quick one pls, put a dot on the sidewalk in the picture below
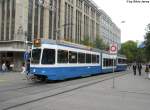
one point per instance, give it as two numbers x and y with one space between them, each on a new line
130 93
13 77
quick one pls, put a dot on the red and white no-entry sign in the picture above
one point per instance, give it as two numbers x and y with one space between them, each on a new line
113 48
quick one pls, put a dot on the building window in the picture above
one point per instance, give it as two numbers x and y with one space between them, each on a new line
86 9
8 20
50 25
41 21
65 27
2 23
86 26
13 19
78 26
79 3
36 19
30 12
68 26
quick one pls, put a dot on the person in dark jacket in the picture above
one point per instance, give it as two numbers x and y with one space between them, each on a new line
139 67
134 69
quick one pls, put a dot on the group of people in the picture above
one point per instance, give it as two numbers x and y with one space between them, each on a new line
5 66
139 68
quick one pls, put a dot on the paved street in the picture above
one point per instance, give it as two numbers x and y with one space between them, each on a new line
130 93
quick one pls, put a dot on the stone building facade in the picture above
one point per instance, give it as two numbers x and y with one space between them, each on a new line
21 21
109 32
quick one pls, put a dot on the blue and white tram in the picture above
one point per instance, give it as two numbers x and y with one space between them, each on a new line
59 61
121 63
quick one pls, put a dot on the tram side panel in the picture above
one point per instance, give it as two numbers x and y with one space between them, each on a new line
121 64
50 67
108 63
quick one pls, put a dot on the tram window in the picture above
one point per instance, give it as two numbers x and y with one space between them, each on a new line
110 62
81 57
97 58
62 56
88 58
124 61
93 58
115 62
104 62
36 53
48 56
107 62
121 61
72 57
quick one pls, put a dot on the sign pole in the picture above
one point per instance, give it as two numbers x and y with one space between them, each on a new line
113 73
113 51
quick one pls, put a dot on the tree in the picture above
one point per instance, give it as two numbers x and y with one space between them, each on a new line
147 43
132 52
129 49
99 44
87 42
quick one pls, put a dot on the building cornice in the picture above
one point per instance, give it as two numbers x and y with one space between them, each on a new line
10 41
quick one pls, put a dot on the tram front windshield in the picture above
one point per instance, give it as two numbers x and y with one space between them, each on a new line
36 53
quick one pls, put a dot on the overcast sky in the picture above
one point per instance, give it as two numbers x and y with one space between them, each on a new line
135 15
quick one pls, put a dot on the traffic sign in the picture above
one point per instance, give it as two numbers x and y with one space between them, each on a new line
26 56
113 48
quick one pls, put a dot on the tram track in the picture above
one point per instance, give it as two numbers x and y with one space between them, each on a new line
38 84
82 85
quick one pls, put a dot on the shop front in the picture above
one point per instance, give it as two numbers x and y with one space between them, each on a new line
13 60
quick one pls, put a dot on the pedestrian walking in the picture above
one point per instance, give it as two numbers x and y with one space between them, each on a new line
4 68
23 69
8 65
139 67
134 69
28 67
129 66
147 72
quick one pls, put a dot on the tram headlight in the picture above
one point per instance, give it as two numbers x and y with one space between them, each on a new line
37 43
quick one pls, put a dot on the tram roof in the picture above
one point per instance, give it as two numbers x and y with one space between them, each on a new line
69 44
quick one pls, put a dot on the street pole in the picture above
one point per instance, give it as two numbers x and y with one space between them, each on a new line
113 72
113 52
